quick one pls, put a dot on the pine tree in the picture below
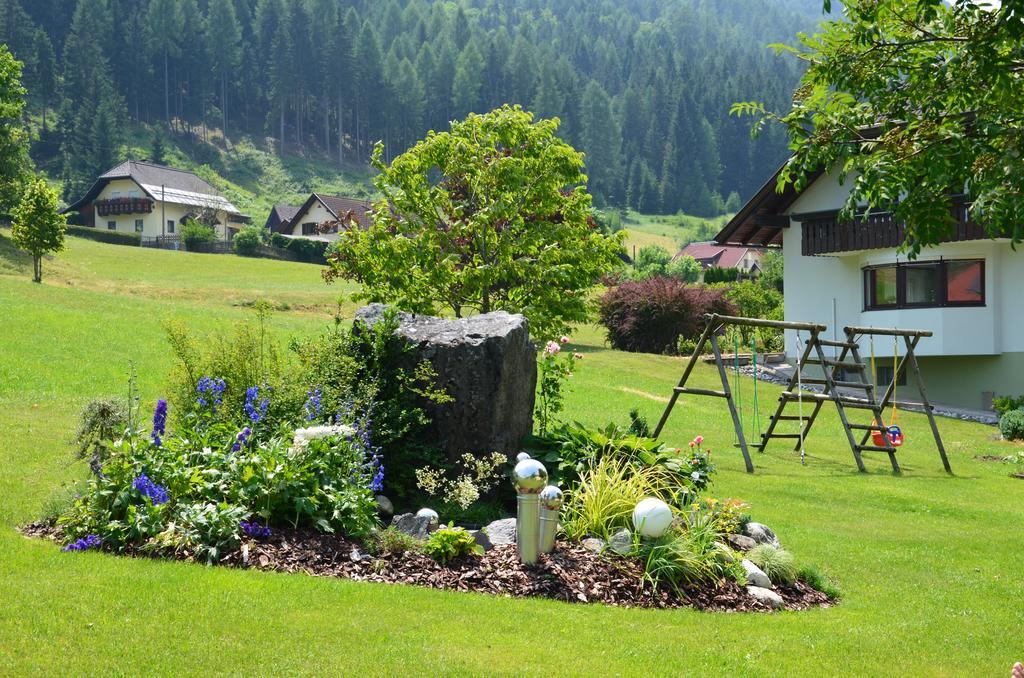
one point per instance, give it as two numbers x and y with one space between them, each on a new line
223 36
468 81
600 142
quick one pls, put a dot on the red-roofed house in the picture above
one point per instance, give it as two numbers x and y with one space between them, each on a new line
713 255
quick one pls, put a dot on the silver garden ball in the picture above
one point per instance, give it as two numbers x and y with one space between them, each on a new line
430 514
551 498
529 476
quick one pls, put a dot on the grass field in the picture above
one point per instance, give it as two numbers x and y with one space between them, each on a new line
929 564
671 231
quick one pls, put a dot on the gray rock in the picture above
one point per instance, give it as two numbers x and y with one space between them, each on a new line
357 556
594 544
740 542
413 525
502 532
725 552
762 534
384 506
766 596
621 542
487 364
482 540
755 575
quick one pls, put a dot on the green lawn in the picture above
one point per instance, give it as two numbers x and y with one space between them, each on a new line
930 565
670 231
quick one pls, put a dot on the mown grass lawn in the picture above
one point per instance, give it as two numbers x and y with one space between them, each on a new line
930 564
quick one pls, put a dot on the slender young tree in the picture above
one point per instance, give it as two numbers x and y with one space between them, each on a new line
37 226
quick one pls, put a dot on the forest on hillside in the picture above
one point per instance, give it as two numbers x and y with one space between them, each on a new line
642 86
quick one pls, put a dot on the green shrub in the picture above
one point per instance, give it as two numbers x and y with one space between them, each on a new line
682 557
449 543
811 576
102 420
1004 404
193 233
394 542
717 275
685 346
1011 425
248 241
102 235
778 564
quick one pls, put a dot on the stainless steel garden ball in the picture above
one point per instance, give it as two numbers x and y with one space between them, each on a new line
431 514
551 498
529 476
522 456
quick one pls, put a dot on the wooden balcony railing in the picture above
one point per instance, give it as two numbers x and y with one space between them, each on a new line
123 206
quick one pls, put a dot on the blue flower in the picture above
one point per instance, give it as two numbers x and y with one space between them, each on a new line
241 439
212 388
255 530
159 422
254 407
312 405
147 488
91 541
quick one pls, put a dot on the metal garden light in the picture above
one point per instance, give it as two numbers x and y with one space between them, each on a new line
550 503
529 478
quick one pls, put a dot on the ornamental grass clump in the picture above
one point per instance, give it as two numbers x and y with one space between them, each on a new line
778 564
606 495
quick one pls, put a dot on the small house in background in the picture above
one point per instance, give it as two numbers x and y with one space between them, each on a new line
280 214
319 209
745 259
152 201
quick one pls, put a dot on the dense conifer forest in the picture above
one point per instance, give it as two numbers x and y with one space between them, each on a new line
642 86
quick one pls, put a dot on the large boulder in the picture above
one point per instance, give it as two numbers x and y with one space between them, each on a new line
487 364
761 534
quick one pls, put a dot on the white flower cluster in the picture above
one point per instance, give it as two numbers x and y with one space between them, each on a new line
304 435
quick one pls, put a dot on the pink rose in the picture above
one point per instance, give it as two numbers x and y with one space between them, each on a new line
564 340
693 444
699 439
552 348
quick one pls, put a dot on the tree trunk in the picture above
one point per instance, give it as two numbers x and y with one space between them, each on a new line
281 142
37 269
224 106
167 91
341 132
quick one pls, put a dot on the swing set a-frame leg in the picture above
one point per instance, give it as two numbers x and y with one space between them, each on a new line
736 421
682 380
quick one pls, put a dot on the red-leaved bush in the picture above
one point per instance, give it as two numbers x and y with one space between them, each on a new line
650 315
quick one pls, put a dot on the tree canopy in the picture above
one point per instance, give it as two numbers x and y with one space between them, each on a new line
917 104
492 215
14 160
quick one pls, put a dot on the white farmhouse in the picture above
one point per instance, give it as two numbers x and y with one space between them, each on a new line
153 201
967 290
304 221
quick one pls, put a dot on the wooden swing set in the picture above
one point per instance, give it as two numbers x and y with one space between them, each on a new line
843 371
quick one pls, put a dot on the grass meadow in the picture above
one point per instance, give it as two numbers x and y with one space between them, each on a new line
929 564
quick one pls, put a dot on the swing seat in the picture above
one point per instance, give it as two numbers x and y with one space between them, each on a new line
895 437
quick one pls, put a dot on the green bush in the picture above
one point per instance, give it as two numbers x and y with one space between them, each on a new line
193 233
685 346
685 557
102 420
1011 425
778 564
1004 404
449 543
717 275
248 241
101 235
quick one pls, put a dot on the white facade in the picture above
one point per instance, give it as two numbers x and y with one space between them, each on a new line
164 220
315 215
830 290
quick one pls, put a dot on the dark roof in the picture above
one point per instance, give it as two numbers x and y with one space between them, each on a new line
761 220
340 206
153 179
280 216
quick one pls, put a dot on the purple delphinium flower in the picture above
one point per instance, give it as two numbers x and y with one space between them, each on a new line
363 441
91 541
255 530
147 488
241 439
313 399
159 422
210 391
255 406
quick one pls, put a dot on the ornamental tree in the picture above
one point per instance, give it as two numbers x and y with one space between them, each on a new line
37 226
914 102
491 215
14 140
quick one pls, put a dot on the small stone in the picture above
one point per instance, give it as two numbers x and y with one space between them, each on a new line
482 540
740 542
593 544
622 542
355 556
726 552
502 532
384 505
412 525
755 575
762 534
766 596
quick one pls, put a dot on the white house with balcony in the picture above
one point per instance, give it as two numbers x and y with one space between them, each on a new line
319 210
153 201
968 290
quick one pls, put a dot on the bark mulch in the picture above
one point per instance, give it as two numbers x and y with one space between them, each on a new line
570 573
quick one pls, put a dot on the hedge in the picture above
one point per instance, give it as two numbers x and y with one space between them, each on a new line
101 235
